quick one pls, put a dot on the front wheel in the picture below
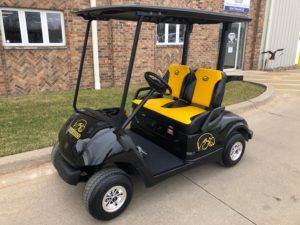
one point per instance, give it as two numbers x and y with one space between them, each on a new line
54 153
107 193
234 150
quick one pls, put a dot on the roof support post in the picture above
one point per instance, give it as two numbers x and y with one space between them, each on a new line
95 51
130 67
222 49
185 51
81 64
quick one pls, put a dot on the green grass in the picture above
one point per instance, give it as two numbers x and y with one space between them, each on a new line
32 122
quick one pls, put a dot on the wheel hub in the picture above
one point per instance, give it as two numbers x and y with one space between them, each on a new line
236 151
114 198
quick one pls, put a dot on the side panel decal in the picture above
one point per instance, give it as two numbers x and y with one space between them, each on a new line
205 141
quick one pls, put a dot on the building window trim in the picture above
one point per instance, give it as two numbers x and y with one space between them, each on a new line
24 32
166 42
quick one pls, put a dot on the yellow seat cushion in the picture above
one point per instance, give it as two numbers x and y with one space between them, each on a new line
205 85
181 114
177 74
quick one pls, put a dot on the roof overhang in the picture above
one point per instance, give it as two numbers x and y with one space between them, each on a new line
155 14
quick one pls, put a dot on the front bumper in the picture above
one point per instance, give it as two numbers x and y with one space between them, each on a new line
69 174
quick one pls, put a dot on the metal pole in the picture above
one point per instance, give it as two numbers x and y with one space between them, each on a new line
130 66
186 44
222 50
95 50
81 65
133 114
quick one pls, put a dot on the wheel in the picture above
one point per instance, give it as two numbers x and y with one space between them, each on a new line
107 193
54 153
234 150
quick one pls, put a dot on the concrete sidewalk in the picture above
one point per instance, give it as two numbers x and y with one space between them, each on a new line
282 81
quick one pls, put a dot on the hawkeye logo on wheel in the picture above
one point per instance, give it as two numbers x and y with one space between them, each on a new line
205 141
76 129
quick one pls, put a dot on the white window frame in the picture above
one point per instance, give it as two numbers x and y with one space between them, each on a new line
23 28
177 42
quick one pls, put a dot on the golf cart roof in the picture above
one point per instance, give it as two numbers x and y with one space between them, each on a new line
155 14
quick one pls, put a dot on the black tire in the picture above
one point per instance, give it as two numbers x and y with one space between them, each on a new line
235 141
97 187
54 153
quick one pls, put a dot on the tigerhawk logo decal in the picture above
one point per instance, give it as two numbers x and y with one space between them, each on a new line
205 141
205 78
77 128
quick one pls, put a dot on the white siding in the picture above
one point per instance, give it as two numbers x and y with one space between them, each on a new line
281 31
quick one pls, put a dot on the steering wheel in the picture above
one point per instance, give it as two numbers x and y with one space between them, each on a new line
157 83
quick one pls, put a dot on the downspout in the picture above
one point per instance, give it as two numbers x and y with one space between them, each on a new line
95 50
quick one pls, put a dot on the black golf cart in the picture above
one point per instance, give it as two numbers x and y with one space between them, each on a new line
178 122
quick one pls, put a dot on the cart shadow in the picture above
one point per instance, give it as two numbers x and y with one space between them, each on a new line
144 199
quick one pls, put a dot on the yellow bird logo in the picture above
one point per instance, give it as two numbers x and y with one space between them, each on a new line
205 141
80 125
77 128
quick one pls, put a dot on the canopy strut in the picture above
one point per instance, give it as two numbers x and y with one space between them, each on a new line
81 65
129 70
185 52
222 49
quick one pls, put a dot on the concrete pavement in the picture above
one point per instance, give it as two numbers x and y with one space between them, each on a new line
283 81
262 189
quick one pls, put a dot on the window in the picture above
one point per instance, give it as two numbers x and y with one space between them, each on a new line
26 27
170 34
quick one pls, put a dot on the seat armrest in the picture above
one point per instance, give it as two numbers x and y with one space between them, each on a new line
140 90
213 118
137 93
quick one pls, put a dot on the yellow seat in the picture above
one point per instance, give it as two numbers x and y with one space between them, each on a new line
199 92
176 77
180 114
206 81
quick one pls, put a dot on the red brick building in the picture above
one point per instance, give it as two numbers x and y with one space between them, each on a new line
47 53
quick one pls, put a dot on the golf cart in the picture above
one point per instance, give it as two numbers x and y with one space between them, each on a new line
178 122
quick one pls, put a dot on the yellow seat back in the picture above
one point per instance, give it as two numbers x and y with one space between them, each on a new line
206 80
177 74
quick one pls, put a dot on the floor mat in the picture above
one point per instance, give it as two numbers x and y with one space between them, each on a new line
158 159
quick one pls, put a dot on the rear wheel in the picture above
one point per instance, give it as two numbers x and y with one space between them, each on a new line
107 193
234 150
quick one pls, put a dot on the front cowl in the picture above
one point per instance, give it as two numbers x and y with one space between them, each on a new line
77 131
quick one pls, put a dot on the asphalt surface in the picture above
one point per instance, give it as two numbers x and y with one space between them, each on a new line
264 188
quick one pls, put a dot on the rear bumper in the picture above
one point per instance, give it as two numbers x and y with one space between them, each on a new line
69 174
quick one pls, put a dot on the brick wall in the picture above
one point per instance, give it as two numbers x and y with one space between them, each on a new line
34 70
30 71
254 35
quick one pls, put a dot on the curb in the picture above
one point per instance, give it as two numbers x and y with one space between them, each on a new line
253 103
9 164
12 163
